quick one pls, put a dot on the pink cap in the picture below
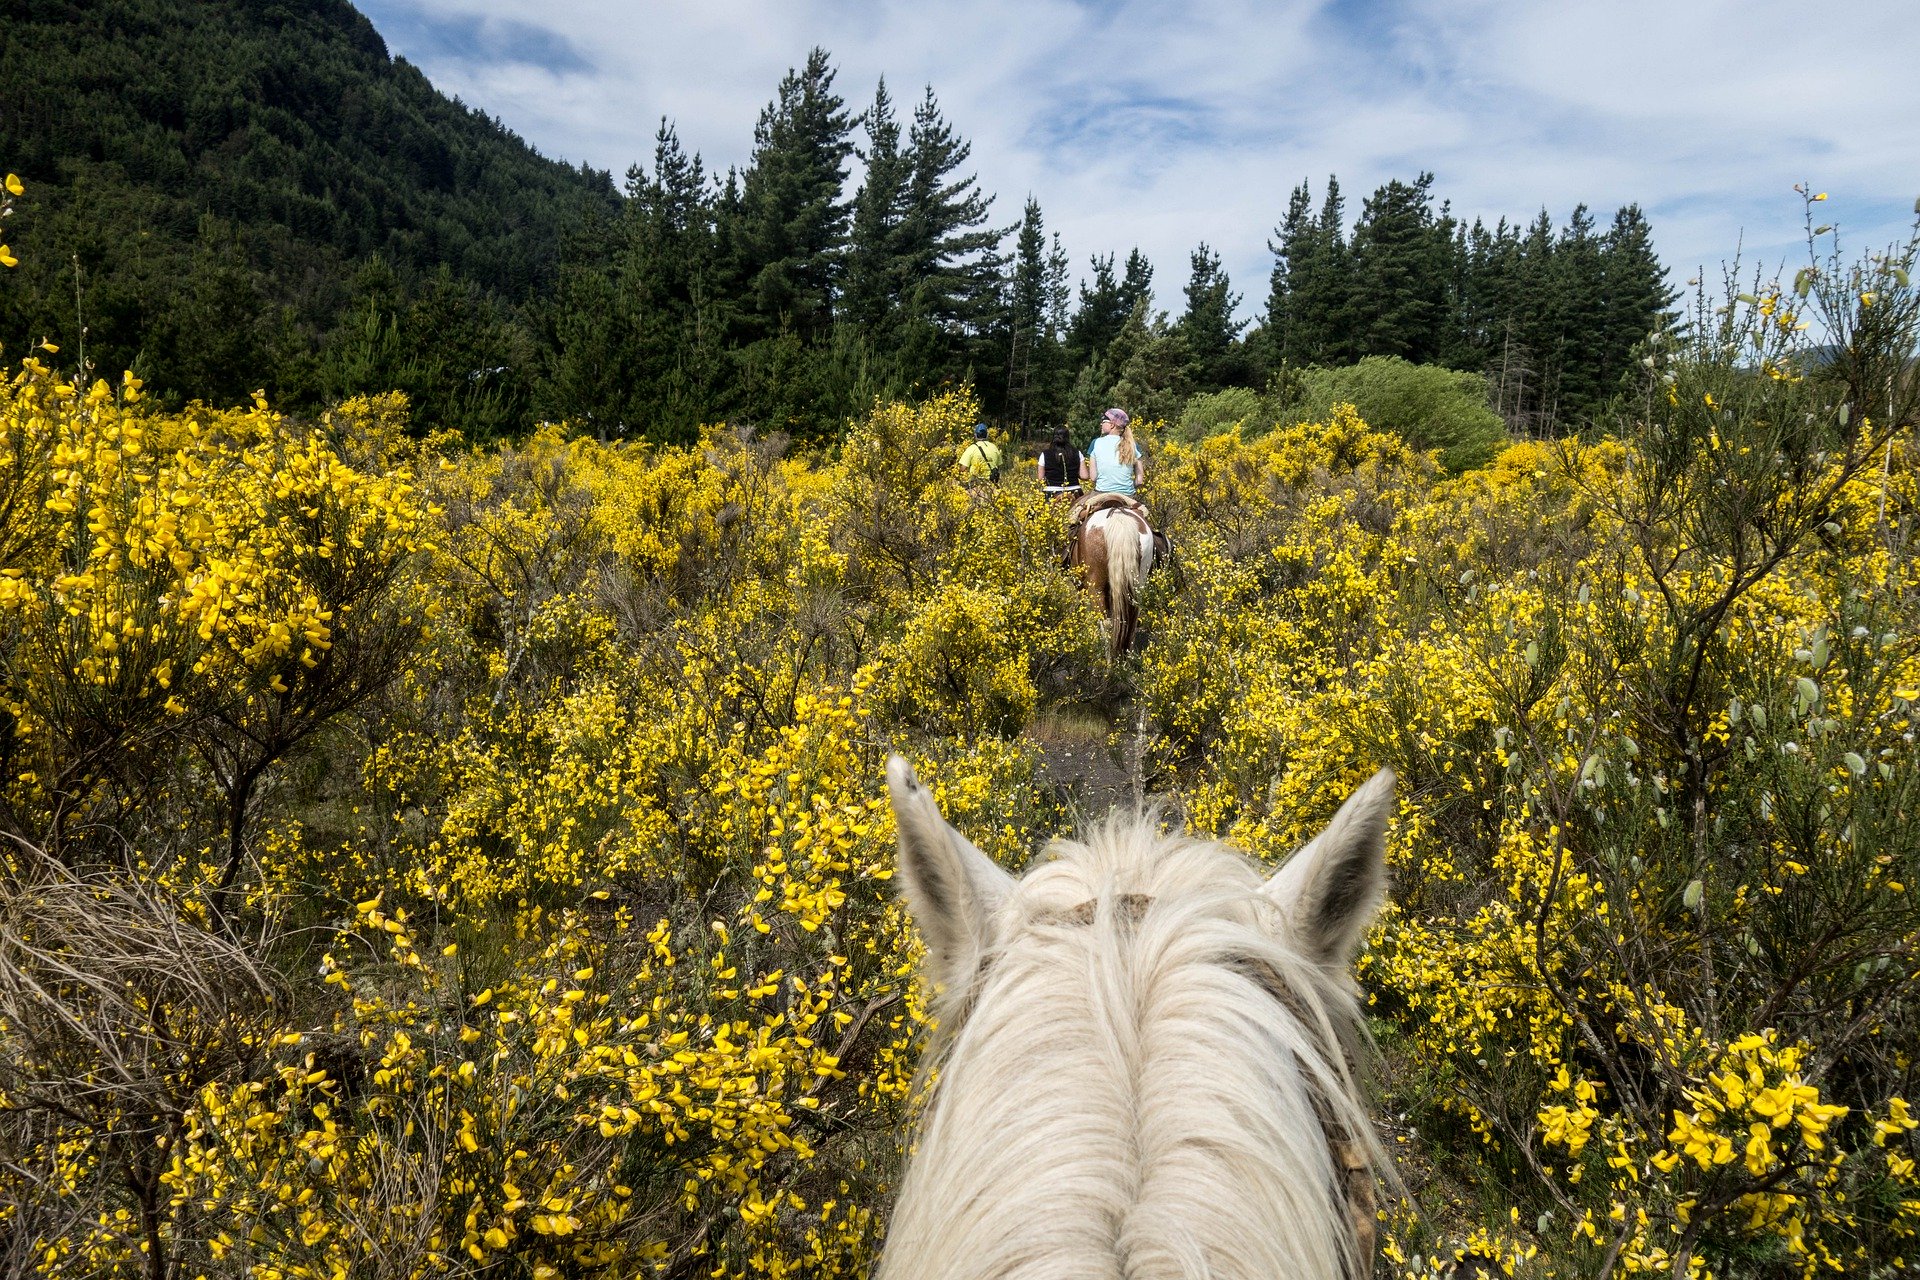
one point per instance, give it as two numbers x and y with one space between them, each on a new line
1118 417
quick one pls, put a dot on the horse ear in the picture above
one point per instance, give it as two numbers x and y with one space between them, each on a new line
952 889
1332 885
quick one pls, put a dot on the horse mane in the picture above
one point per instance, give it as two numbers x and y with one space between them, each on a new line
1124 554
1118 568
1141 1080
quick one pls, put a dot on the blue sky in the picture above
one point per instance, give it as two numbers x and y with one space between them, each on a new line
1161 125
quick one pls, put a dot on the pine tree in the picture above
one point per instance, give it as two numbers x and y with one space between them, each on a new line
665 274
1320 288
1635 296
875 274
463 362
792 221
588 376
1579 320
950 253
1399 253
1136 282
1530 368
1099 316
1106 305
1033 354
1487 298
1207 327
1059 292
1292 250
1059 296
1150 362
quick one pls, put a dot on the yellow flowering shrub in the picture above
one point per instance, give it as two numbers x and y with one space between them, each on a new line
429 861
586 960
1648 969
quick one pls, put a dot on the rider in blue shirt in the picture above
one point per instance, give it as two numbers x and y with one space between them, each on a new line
1114 463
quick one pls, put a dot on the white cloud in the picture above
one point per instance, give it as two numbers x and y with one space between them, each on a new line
1161 125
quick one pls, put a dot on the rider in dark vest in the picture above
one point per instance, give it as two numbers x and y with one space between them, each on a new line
1058 467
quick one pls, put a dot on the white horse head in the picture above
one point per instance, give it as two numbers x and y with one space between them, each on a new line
1142 1062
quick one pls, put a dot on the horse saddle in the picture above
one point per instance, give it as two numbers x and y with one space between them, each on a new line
1086 507
1101 501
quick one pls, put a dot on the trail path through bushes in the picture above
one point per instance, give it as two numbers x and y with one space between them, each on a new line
1092 761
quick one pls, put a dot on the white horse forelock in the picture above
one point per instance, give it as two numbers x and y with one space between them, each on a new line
1142 1078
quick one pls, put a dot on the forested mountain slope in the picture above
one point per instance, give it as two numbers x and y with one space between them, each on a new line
220 169
240 195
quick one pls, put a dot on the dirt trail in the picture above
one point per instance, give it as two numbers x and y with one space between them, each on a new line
1093 764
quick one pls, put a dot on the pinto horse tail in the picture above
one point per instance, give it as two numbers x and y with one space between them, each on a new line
1126 570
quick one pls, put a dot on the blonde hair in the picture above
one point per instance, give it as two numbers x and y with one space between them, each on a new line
1128 450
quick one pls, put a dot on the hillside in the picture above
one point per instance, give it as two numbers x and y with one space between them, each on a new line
221 170
238 195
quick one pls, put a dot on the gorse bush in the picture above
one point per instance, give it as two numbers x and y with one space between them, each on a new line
560 763
424 860
1651 951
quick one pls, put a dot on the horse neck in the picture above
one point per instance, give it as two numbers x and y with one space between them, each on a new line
1118 1102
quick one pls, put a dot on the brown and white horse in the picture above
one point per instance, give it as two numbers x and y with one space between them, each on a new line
1115 546
1142 1067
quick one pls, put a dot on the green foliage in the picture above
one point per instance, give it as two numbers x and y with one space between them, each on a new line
875 274
1208 328
1551 318
1152 361
452 349
1211 413
1648 977
1400 252
951 254
1036 322
1105 305
1431 407
214 173
562 758
1308 305
792 219
211 190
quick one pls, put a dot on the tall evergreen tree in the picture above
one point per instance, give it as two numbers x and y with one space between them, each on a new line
1150 361
1400 264
1207 326
1136 282
1579 319
1635 296
1059 290
463 362
588 376
792 221
1455 350
1292 249
1033 350
875 273
950 253
1106 304
1528 370
666 279
1487 297
1319 320
1097 320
